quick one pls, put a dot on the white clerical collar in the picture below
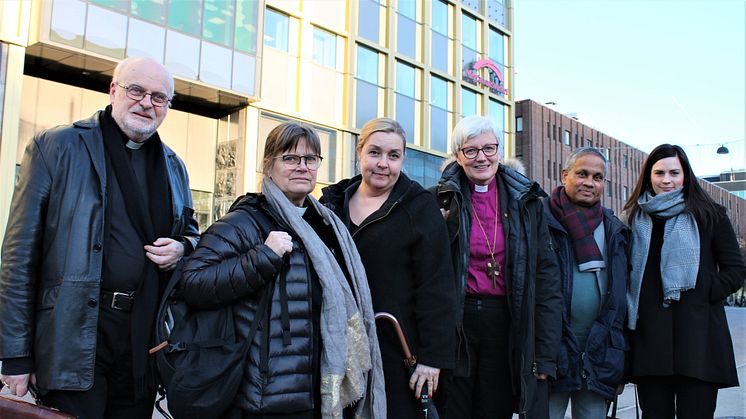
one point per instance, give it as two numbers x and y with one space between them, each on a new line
133 145
481 188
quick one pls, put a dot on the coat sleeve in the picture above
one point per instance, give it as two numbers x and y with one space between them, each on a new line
435 304
230 262
731 271
22 254
548 301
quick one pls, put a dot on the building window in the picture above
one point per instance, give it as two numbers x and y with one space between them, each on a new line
367 89
439 36
406 98
185 16
497 113
324 48
566 137
588 142
439 114
468 102
153 11
368 19
497 47
496 11
469 43
218 22
609 189
519 124
624 161
625 193
246 23
549 169
549 133
473 4
276 29
577 142
406 36
422 167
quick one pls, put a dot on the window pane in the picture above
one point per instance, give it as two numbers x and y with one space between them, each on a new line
276 29
182 55
406 42
68 22
185 16
367 64
440 17
422 167
473 4
244 73
519 126
324 48
497 47
215 65
469 31
438 129
468 102
218 22
439 92
367 21
496 11
439 52
146 40
497 113
106 32
246 22
366 102
405 79
150 10
468 58
120 5
405 115
408 8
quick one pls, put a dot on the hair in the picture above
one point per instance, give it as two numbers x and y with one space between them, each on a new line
584 151
284 137
128 62
698 202
386 125
470 127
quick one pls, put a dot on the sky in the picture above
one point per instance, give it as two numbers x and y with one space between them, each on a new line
644 72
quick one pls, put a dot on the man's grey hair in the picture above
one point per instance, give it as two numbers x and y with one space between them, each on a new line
470 127
583 151
134 60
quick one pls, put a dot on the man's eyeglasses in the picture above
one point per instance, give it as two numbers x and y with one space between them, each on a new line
291 161
489 150
137 93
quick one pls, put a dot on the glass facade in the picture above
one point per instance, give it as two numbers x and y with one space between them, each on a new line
366 86
276 30
440 41
468 102
407 28
439 114
187 36
406 106
368 22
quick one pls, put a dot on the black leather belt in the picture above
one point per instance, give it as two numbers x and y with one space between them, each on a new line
118 300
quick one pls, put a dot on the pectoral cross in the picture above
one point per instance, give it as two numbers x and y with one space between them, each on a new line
493 271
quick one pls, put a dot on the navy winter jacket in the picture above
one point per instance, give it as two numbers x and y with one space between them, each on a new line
601 362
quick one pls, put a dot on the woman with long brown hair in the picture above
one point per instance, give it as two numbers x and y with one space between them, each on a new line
685 262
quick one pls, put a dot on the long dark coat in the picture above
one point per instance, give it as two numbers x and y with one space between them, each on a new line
404 247
690 338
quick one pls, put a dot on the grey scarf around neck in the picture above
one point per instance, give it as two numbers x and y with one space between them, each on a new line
351 366
679 253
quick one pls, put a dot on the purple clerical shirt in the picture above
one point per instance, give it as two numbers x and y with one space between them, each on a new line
484 205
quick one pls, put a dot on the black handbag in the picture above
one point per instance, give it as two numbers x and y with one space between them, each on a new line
199 360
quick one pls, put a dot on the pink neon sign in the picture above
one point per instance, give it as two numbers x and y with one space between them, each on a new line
495 83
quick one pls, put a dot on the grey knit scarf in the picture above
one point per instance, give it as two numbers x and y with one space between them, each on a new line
679 253
351 366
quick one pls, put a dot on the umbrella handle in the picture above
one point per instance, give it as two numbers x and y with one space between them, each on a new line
408 358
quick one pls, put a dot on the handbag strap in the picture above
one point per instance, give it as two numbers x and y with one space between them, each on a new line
257 318
614 406
637 404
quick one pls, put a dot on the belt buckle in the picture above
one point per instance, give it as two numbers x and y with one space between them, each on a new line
115 297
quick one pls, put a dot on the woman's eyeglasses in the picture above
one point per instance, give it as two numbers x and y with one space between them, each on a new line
291 161
489 150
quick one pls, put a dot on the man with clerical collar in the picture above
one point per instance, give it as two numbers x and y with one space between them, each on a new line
591 247
101 213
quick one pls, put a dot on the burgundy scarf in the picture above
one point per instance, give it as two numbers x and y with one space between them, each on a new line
580 222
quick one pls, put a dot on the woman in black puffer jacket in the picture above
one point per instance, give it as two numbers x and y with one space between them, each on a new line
315 351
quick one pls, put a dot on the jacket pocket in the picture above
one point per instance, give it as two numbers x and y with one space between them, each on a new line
608 360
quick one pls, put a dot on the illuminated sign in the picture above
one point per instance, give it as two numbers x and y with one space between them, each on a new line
495 80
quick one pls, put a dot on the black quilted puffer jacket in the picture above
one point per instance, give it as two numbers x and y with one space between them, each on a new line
232 265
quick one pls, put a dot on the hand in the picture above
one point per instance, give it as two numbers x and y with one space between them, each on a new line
445 213
280 242
540 376
620 389
421 374
165 253
18 384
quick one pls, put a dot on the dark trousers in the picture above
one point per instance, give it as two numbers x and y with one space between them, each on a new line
682 397
112 395
487 392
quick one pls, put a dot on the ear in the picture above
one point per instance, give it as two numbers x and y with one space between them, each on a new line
112 90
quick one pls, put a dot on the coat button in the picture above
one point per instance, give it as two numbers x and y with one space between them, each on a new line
97 247
92 303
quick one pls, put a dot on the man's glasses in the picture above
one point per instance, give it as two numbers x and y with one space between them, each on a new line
291 161
471 152
137 93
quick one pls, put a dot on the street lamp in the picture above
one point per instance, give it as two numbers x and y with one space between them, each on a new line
722 150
